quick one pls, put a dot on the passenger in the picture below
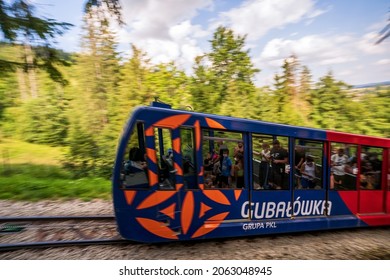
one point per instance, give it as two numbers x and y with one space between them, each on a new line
238 171
375 162
209 180
238 149
217 173
208 163
338 162
169 157
135 170
136 162
308 171
299 160
226 166
279 159
351 166
265 157
188 164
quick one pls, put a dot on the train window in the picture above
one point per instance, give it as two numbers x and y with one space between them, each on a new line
164 155
134 167
308 156
344 169
188 157
371 168
270 162
223 159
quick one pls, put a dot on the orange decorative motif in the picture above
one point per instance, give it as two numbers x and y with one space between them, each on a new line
182 203
216 196
197 135
129 195
151 153
157 228
169 211
206 228
214 124
179 169
156 198
203 209
237 194
176 145
153 178
173 121
149 131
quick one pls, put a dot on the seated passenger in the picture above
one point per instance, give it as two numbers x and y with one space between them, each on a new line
135 170
136 162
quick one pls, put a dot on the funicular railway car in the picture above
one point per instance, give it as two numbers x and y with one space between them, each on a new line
183 175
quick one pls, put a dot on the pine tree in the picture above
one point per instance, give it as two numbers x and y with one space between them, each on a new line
170 85
95 96
230 66
204 97
291 105
329 101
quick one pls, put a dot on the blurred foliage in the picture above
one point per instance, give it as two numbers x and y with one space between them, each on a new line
34 35
87 114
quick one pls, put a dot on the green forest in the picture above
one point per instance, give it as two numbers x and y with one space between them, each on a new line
81 101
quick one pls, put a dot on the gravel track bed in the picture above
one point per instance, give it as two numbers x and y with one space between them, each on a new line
351 244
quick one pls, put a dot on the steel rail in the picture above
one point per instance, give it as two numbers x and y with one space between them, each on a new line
53 244
53 218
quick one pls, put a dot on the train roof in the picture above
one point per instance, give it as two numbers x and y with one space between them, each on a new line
263 127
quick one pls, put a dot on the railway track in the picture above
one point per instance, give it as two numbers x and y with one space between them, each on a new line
57 231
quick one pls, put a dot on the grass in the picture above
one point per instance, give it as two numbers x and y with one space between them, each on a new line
34 172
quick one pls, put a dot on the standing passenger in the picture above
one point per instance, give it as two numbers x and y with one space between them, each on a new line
308 171
279 159
338 162
238 173
239 149
264 166
226 167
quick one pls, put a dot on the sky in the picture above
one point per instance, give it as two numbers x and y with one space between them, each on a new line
325 35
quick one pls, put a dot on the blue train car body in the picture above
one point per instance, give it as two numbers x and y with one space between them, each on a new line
164 190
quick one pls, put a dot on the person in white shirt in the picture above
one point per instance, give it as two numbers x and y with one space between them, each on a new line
308 171
338 162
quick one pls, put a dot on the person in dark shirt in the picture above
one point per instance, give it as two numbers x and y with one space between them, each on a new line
279 159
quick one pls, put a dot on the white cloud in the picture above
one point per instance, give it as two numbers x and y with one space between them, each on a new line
153 18
383 62
163 29
256 17
312 49
355 59
368 46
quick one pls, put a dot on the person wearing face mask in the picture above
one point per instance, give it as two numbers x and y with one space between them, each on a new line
226 166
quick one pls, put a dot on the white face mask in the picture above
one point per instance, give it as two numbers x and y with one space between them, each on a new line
225 155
